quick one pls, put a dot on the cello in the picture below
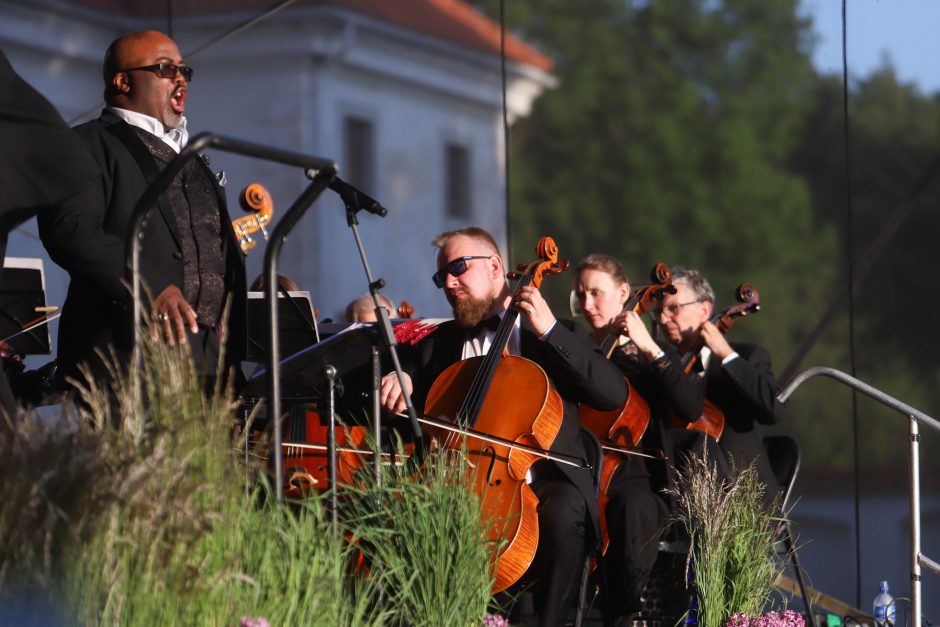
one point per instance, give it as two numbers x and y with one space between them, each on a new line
306 464
486 393
712 420
624 426
256 200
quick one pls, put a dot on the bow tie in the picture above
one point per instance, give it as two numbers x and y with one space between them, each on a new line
488 324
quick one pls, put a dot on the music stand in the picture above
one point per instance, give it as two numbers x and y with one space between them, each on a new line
297 326
23 303
303 374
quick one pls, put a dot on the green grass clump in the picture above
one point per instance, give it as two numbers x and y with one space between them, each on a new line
424 537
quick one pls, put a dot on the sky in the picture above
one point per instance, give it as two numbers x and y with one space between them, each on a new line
904 31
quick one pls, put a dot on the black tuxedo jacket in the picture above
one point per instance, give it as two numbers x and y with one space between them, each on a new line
746 391
574 365
86 236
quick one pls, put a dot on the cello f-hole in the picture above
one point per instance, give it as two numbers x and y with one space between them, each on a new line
490 452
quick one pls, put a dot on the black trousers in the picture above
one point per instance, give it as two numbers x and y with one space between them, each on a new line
636 516
555 572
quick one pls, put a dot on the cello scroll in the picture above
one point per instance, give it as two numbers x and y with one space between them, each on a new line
257 201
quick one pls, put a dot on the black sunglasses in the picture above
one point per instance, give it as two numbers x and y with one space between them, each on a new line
165 70
455 268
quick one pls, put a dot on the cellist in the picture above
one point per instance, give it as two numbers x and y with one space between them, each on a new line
636 509
737 377
472 274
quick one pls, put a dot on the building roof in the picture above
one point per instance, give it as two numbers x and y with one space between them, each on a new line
451 20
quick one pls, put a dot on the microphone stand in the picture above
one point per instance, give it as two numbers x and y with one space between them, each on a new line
353 202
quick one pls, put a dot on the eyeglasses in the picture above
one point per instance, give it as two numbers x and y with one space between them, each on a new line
455 268
672 310
165 70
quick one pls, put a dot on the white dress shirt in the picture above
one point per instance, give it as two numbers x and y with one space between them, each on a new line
480 345
175 138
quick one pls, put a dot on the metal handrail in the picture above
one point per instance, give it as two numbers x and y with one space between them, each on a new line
915 417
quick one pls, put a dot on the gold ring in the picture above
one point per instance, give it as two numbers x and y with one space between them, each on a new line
162 317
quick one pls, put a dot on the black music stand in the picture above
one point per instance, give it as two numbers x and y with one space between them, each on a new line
297 326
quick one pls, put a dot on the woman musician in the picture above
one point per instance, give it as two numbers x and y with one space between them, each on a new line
636 509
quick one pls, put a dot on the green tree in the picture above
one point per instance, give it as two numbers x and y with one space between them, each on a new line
668 139
894 132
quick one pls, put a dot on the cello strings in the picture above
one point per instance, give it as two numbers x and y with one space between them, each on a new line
473 402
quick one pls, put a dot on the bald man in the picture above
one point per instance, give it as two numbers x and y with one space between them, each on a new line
190 260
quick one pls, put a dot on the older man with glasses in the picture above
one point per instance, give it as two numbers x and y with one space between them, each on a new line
737 377
190 259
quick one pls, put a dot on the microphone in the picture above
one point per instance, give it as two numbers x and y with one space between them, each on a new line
356 199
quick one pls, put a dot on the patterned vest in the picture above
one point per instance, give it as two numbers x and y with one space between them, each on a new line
194 203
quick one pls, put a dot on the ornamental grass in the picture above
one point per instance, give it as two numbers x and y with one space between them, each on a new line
141 512
732 560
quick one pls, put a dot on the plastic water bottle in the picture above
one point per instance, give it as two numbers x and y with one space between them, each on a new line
883 606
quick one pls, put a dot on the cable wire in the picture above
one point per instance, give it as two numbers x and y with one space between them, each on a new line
502 65
851 270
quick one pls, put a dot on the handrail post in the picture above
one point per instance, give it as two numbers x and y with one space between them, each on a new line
915 521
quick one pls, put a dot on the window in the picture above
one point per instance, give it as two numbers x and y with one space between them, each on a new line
358 167
458 201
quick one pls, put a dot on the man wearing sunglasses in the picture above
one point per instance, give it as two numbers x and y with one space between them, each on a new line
471 274
737 376
190 260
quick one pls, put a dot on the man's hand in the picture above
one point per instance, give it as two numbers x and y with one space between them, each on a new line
535 309
172 316
391 396
715 340
630 324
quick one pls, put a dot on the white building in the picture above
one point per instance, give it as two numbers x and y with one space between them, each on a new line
405 95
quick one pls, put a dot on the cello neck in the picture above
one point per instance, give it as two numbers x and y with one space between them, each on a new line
472 405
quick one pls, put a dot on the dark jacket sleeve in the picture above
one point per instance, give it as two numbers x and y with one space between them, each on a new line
42 162
74 232
683 391
753 378
581 372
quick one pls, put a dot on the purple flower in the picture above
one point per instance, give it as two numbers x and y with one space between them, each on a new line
738 620
252 621
788 618
495 620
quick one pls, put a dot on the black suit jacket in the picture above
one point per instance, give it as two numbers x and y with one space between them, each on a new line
86 236
574 365
746 391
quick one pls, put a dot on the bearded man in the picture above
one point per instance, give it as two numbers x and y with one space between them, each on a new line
472 274
190 259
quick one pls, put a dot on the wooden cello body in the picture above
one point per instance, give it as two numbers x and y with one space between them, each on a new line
509 504
306 468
